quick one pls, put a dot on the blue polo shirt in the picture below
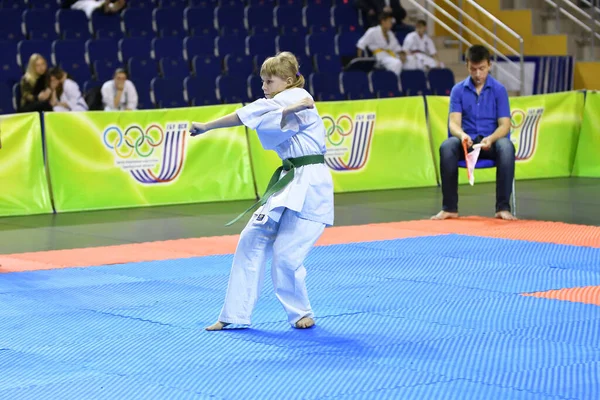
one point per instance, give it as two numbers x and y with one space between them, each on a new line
480 113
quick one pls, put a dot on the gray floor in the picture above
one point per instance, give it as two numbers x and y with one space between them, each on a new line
574 200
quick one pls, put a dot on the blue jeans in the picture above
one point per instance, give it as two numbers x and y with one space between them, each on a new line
502 152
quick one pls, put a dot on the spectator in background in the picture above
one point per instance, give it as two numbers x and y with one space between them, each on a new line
420 45
119 93
89 6
384 45
66 95
35 89
372 9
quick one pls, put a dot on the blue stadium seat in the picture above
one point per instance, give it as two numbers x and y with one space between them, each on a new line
74 22
168 93
101 49
232 89
168 22
255 86
264 30
355 85
209 31
48 36
144 99
198 18
345 44
16 96
316 15
258 15
441 81
195 46
320 43
138 22
234 31
8 49
328 63
344 14
294 43
91 84
414 82
206 67
229 16
106 26
68 50
288 15
383 81
134 47
43 4
104 70
167 47
10 72
261 43
172 4
39 20
10 24
300 30
230 45
25 48
142 70
239 65
199 91
19 5
325 86
173 68
6 103
140 4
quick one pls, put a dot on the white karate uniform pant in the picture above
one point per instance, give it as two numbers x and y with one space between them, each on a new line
289 242
88 6
396 65
428 61
389 62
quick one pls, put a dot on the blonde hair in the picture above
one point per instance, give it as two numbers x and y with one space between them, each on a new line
284 65
31 74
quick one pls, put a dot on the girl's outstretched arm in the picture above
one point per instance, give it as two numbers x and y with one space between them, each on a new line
198 128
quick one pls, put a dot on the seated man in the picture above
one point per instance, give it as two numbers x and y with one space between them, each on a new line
119 93
384 45
419 44
479 113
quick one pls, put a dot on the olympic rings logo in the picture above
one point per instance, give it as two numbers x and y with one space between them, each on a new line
338 129
517 117
133 139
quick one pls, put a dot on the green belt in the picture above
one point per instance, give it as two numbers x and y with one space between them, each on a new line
276 184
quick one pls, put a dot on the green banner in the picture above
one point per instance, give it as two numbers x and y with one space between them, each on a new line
371 145
100 160
544 130
587 161
22 172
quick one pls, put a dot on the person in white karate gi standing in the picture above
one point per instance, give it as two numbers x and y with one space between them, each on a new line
292 215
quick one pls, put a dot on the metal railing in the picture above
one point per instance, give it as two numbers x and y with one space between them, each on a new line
519 69
563 7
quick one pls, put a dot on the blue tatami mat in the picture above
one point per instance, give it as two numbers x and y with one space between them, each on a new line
441 317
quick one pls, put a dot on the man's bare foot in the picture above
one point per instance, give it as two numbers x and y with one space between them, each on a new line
506 215
217 326
445 215
305 322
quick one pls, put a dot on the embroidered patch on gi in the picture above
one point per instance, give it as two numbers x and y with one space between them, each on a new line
260 217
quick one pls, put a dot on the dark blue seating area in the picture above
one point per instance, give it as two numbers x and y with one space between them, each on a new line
193 52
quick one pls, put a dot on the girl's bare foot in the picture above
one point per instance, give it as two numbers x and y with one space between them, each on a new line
305 322
217 326
445 215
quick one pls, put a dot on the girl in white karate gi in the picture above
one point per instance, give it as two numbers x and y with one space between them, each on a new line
291 220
